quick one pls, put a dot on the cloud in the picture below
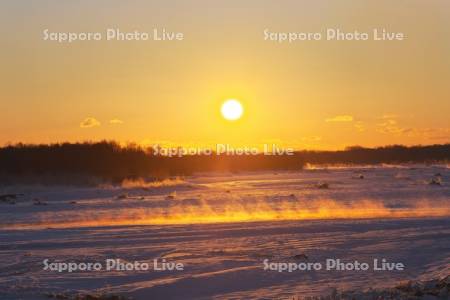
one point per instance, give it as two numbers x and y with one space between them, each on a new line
431 133
388 116
392 127
340 118
115 121
89 123
314 138
360 126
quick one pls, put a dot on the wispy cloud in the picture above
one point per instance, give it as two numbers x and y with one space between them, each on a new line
340 118
115 121
314 138
89 123
388 116
359 126
391 126
431 133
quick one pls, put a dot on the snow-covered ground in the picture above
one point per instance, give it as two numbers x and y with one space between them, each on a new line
224 229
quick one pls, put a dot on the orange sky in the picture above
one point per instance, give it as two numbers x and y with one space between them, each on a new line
309 94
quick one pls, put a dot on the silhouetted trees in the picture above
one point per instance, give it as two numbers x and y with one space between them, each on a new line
395 154
111 162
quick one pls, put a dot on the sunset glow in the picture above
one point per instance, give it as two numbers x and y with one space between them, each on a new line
305 94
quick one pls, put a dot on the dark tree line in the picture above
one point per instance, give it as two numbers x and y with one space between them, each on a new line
112 162
109 161
395 154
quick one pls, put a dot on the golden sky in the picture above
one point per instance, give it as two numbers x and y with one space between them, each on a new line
305 94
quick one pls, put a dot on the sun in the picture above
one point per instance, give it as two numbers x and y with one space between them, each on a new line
232 109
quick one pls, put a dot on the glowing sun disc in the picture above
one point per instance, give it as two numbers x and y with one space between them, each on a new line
232 109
